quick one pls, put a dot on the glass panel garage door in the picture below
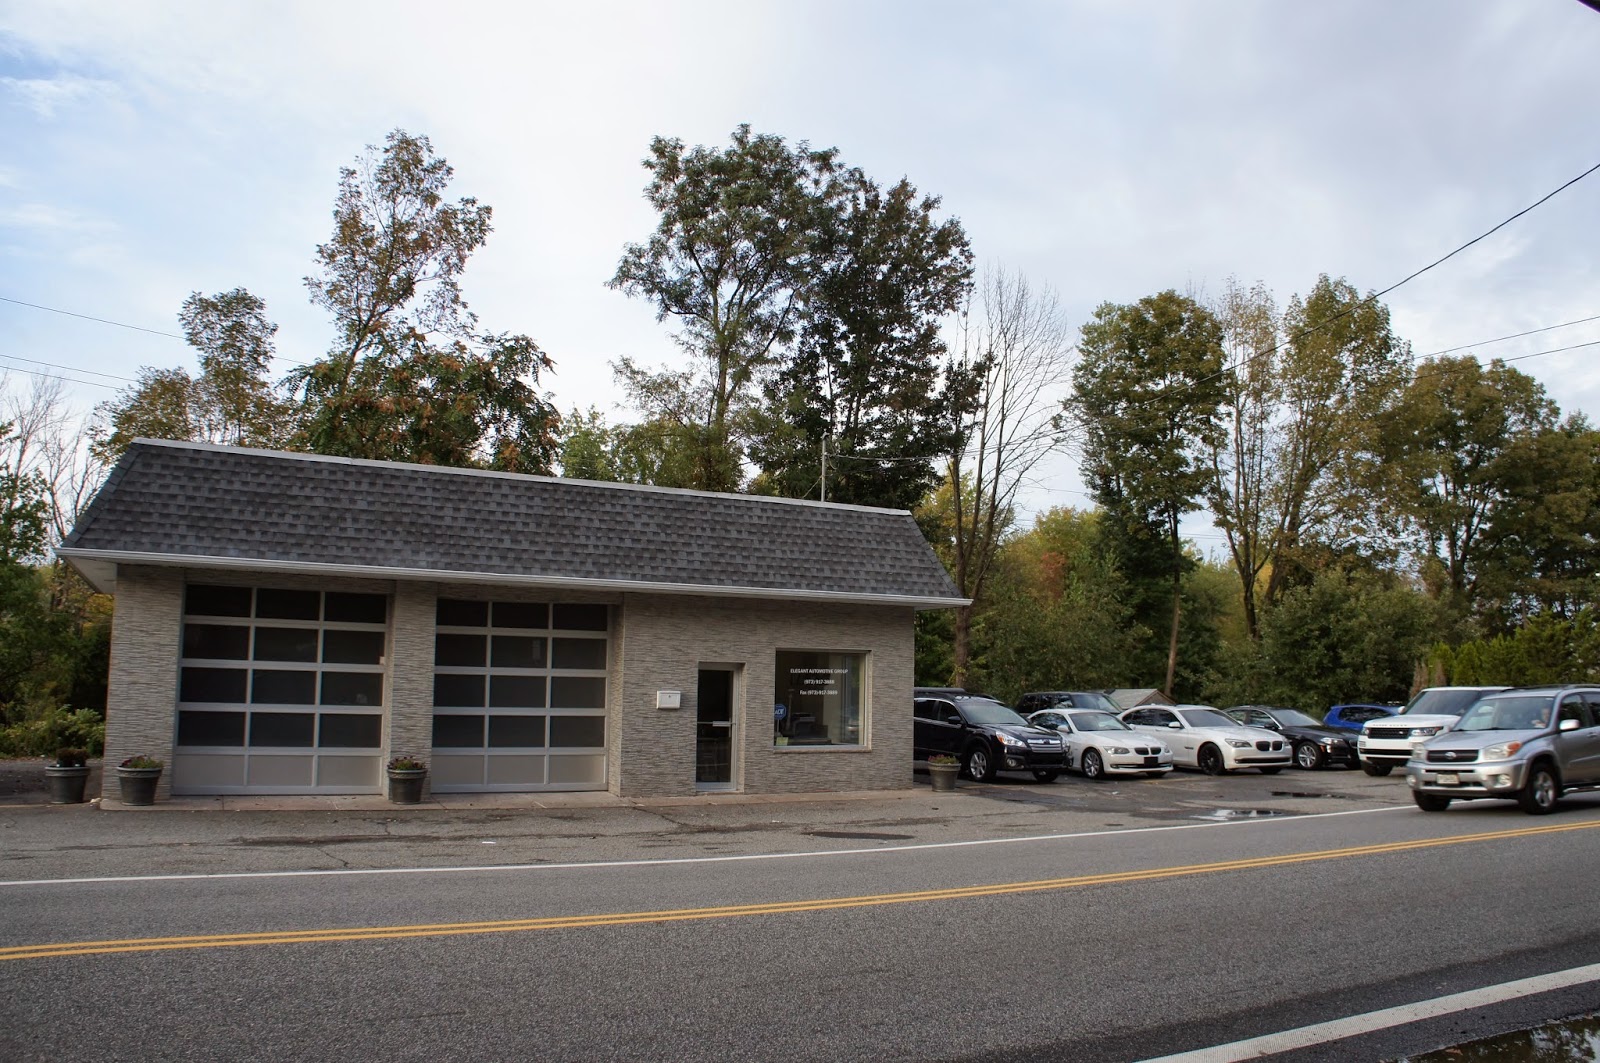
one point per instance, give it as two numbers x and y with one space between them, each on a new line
280 692
519 697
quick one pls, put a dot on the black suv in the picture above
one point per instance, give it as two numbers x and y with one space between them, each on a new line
1039 700
985 735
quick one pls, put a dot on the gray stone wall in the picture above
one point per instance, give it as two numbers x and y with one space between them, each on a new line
663 642
142 691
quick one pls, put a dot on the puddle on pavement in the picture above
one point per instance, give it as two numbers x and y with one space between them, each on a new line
1570 1041
1300 793
1228 815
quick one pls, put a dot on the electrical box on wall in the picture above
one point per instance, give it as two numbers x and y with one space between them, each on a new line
669 699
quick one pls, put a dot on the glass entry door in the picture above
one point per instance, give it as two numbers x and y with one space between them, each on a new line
714 730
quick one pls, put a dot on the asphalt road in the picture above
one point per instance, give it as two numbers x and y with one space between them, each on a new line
1013 922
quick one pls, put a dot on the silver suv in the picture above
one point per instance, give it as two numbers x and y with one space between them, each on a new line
1531 745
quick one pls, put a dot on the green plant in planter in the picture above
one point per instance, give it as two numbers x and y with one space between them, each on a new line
72 757
944 759
68 776
140 762
406 775
137 777
404 763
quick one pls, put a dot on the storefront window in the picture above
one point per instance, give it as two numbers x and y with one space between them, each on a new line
817 700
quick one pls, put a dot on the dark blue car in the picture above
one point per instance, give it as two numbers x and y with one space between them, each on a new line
1351 717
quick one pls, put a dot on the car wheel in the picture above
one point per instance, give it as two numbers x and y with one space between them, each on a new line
1430 802
980 766
1047 776
1270 771
1543 790
1308 756
1092 766
1210 761
1376 769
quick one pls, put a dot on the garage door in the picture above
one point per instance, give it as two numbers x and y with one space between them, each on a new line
519 696
280 691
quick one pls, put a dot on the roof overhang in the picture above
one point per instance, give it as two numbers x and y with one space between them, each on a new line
99 567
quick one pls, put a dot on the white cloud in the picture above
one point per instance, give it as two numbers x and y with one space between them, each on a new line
48 97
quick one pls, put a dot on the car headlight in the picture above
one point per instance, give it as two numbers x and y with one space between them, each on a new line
1333 743
1424 732
1011 740
1238 743
1120 751
1501 751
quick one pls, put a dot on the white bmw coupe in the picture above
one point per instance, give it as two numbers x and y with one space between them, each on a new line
1099 744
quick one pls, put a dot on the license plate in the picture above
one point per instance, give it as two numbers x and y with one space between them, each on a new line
1151 762
1449 780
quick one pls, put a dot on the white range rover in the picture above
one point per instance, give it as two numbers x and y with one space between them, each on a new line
1386 742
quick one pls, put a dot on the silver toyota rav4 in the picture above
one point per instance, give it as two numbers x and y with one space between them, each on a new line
1531 745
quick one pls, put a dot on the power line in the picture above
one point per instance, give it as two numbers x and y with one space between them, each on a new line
88 317
68 368
56 376
1513 336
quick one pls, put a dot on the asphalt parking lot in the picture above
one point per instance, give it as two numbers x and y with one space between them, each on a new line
39 840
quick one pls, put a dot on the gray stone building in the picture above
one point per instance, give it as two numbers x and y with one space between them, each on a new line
286 623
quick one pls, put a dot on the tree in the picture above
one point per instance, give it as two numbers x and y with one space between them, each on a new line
1241 455
1147 389
1340 371
410 377
230 401
737 235
1000 393
1449 453
864 380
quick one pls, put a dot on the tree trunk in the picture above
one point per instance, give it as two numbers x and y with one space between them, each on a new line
1177 604
963 645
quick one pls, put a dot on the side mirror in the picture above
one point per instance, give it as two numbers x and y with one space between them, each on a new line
954 718
1175 725
1570 725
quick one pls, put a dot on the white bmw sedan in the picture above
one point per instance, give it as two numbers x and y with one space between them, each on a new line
1205 738
1099 744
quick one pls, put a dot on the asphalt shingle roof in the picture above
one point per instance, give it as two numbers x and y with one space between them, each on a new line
187 501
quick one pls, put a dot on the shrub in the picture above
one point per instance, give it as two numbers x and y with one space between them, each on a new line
52 730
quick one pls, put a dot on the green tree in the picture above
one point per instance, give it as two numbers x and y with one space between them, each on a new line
1449 451
230 401
410 376
864 379
736 239
1147 390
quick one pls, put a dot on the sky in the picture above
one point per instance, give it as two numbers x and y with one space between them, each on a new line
1105 149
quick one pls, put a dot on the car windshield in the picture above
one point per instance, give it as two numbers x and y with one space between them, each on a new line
1441 702
982 710
1097 721
1088 699
1525 712
1293 718
1207 718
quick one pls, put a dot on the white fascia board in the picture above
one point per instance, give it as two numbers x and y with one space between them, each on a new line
98 567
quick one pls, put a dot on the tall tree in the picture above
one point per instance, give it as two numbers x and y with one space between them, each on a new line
410 376
1001 391
229 401
1341 369
863 384
1147 391
1241 455
1449 452
736 237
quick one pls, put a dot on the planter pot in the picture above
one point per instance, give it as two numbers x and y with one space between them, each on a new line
405 787
66 784
138 785
944 775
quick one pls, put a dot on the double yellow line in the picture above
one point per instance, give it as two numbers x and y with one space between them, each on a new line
575 922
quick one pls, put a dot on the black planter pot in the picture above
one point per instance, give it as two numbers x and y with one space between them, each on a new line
66 784
138 785
405 787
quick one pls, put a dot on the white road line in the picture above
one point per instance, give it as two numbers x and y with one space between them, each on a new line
1339 1029
667 862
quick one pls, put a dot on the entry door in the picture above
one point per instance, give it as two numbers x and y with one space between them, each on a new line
714 747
